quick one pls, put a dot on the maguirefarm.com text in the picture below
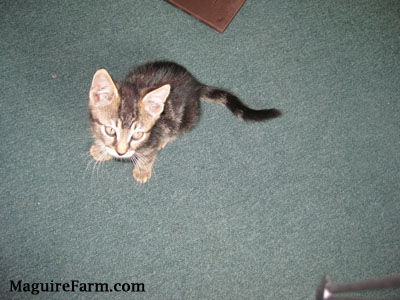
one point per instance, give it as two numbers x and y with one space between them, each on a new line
74 286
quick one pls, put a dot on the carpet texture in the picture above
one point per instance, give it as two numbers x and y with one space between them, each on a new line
234 210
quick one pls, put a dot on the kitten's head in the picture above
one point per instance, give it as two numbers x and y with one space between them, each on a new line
122 123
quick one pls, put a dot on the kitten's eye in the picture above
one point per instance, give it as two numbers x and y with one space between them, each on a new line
110 131
137 135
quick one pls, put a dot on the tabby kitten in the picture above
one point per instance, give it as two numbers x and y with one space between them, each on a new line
153 105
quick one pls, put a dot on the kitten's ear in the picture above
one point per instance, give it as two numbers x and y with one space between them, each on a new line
103 90
154 101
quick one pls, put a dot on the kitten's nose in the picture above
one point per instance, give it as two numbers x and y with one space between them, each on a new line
119 153
121 148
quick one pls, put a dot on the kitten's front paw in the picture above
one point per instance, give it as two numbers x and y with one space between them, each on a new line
98 155
141 175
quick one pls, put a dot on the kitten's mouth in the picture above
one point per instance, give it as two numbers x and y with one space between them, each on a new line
115 154
126 155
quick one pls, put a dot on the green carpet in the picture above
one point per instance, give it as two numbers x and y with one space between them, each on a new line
234 210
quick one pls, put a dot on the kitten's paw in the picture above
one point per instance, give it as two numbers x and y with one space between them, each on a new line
98 155
141 175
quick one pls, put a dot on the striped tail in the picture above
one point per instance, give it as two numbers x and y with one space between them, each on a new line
237 107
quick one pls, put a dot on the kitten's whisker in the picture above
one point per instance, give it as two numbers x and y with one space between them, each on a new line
98 169
141 161
94 167
97 164
134 160
142 157
101 162
91 160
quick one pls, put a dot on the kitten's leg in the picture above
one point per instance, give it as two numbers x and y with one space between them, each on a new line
143 168
99 155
